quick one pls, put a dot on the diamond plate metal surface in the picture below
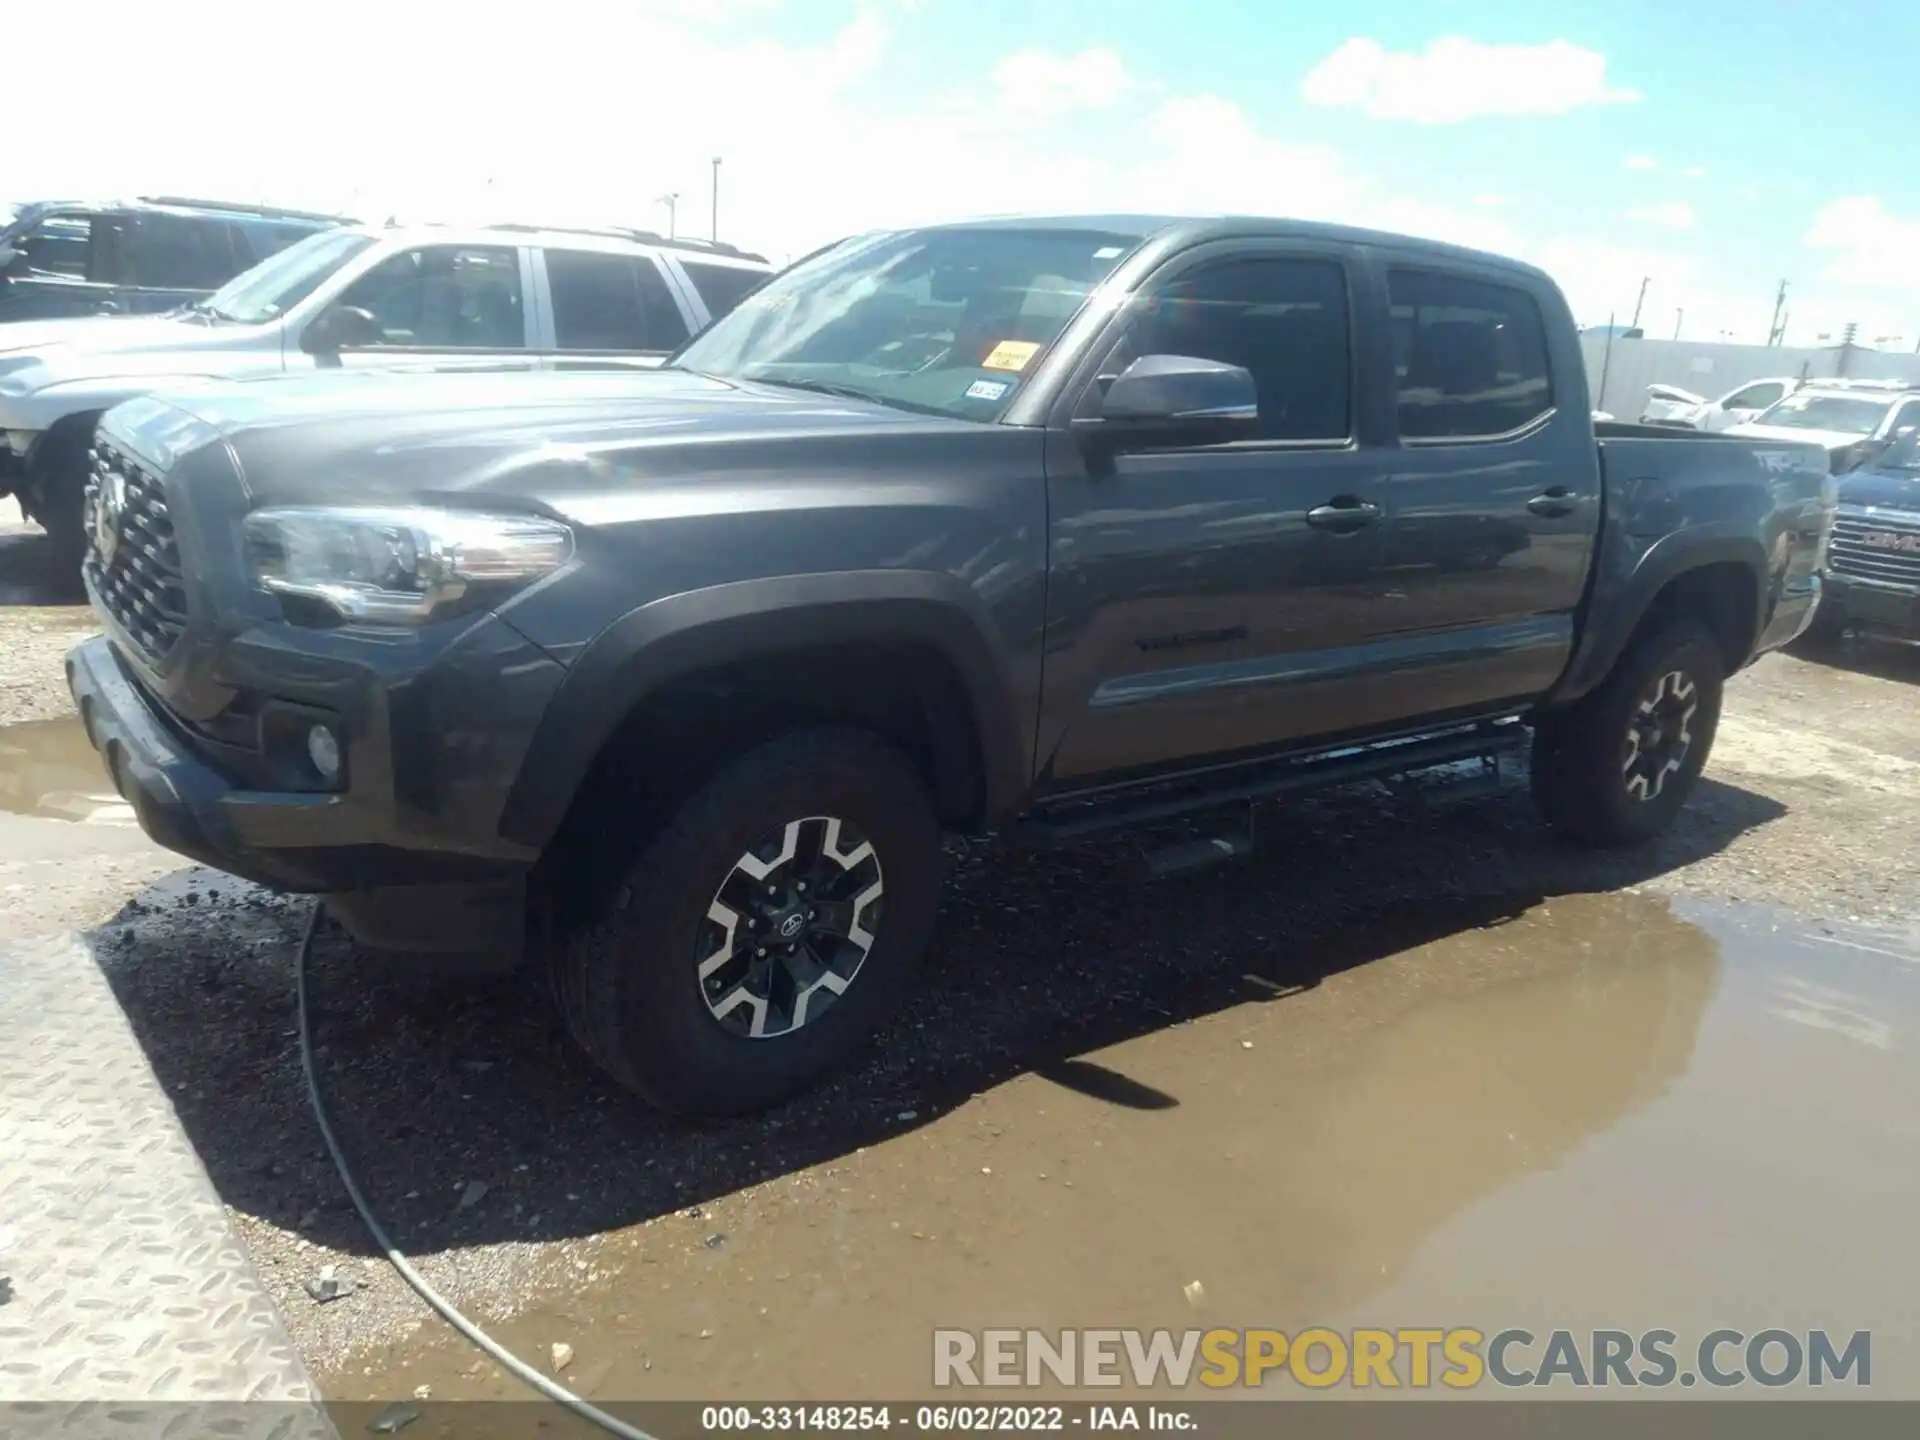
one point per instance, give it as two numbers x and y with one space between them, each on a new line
120 1278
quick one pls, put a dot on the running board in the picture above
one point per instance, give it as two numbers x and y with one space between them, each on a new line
1073 821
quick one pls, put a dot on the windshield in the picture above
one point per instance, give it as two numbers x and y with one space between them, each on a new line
281 281
1904 452
945 321
1844 413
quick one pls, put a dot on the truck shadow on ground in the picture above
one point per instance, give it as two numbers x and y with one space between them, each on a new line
29 574
1041 962
1881 659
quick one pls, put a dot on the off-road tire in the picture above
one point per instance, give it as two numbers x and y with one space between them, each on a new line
1586 758
629 981
60 499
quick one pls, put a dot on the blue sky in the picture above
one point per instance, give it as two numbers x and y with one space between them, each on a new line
1715 147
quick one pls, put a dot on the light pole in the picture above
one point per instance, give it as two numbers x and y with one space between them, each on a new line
672 202
713 231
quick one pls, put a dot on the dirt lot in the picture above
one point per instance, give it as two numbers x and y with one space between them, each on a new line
1350 1075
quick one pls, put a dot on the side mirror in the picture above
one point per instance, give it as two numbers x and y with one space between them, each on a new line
1175 400
15 264
341 327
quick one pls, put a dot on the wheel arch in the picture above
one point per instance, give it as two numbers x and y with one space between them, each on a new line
1720 577
680 637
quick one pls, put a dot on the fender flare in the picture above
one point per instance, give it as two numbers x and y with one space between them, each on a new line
675 636
1618 606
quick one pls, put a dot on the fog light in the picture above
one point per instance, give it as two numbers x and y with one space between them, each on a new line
323 748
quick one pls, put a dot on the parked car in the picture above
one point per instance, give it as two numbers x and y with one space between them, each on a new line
139 257
356 297
1873 561
1670 405
674 679
1851 419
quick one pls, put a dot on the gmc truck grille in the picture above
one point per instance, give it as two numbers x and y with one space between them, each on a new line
1878 546
132 559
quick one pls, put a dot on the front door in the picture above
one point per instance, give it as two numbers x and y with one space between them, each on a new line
67 264
1211 601
443 307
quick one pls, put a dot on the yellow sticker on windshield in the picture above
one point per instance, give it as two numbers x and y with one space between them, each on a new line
1011 355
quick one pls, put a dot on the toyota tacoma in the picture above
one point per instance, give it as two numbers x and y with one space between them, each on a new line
671 681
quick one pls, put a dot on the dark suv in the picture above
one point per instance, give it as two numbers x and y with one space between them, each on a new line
134 258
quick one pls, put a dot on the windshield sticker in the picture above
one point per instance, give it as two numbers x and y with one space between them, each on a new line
1011 355
1106 252
988 389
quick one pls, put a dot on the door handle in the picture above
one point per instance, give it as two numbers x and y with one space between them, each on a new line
1554 503
1343 515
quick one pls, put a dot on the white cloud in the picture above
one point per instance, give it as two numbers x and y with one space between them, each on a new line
1867 245
1669 214
1034 85
1642 162
1695 172
1456 79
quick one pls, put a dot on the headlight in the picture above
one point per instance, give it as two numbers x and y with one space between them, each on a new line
400 567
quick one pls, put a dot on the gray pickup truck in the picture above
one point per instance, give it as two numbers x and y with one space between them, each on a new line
672 680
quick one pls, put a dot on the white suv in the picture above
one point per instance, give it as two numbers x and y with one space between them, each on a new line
357 297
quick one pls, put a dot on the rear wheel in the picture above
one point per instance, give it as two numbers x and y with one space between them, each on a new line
1616 767
763 933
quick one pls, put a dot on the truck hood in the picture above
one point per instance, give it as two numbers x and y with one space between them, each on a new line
561 440
1829 439
1884 489
37 353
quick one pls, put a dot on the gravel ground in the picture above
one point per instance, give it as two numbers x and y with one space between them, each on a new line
501 1158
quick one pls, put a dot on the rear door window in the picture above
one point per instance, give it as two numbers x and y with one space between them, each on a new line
721 286
1470 357
179 252
610 302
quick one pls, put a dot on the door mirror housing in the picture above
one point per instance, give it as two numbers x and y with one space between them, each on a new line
1174 400
15 264
340 327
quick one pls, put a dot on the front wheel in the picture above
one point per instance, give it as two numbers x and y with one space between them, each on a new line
765 931
61 471
1616 767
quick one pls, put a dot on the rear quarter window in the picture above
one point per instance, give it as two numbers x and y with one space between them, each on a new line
1470 356
721 286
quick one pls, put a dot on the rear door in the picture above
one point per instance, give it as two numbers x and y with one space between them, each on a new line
607 310
443 307
1491 496
1207 601
169 260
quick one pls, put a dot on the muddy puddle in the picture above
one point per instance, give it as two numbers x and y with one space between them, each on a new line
47 769
1610 1110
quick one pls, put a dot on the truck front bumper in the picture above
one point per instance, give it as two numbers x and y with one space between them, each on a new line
388 894
1871 607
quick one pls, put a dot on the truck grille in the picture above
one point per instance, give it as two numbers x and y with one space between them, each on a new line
137 576
1879 545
